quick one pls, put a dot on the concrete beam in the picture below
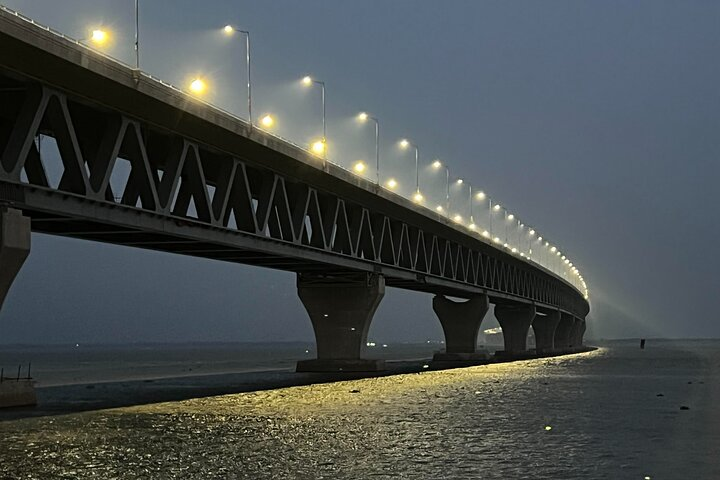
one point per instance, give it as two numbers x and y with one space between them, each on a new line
341 314
515 321
544 328
461 323
14 247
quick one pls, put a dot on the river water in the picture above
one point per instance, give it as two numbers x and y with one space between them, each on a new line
615 413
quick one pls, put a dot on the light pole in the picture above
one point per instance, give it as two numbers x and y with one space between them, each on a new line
308 81
137 34
229 30
365 117
405 143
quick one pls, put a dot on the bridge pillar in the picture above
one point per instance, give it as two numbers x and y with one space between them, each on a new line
544 328
14 247
515 322
576 333
461 323
563 332
340 313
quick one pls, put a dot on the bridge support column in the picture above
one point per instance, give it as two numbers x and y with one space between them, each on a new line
461 323
576 333
563 332
14 247
515 322
544 328
341 314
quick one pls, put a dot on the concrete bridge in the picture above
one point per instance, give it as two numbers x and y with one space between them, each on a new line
202 182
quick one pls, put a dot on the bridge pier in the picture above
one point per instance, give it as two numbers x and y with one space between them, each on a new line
461 323
515 322
14 247
576 333
563 332
544 328
340 313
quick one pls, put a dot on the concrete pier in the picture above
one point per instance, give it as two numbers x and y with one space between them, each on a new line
14 247
563 332
576 333
515 321
341 314
461 323
544 328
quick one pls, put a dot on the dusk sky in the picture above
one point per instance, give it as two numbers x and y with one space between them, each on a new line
597 122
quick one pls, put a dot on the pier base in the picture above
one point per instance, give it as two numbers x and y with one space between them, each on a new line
544 328
515 322
14 247
576 334
341 313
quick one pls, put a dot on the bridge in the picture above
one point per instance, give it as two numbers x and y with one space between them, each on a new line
205 183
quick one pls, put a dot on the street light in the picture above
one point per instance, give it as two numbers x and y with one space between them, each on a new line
99 37
308 81
267 121
198 86
359 166
391 184
229 30
436 165
364 117
405 143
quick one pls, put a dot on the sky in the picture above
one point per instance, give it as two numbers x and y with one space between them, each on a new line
596 121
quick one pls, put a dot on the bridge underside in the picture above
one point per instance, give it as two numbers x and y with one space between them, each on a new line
93 150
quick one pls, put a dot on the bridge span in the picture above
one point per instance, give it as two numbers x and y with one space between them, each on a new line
204 183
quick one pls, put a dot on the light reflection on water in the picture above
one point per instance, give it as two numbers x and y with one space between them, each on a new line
480 422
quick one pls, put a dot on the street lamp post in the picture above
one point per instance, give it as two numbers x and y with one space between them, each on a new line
137 34
229 30
404 144
307 81
364 117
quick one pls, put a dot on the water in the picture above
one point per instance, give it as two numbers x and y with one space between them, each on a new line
606 419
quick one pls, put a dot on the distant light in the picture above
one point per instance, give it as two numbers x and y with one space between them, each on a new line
363 116
318 147
99 37
457 218
384 345
459 181
548 428
563 257
480 195
567 261
198 86
267 121
437 164
558 253
497 207
391 184
359 166
486 234
307 80
404 143
418 197
229 30
496 239
514 250
532 232
472 226
426 366
439 208
553 249
505 245
511 216
647 477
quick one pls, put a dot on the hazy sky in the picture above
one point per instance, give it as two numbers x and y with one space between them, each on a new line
596 121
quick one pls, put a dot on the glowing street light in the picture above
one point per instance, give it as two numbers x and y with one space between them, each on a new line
308 81
267 121
364 117
418 197
198 86
436 165
99 37
230 30
391 184
318 147
480 195
359 166
405 143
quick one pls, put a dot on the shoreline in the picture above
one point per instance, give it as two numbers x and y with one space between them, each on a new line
84 397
